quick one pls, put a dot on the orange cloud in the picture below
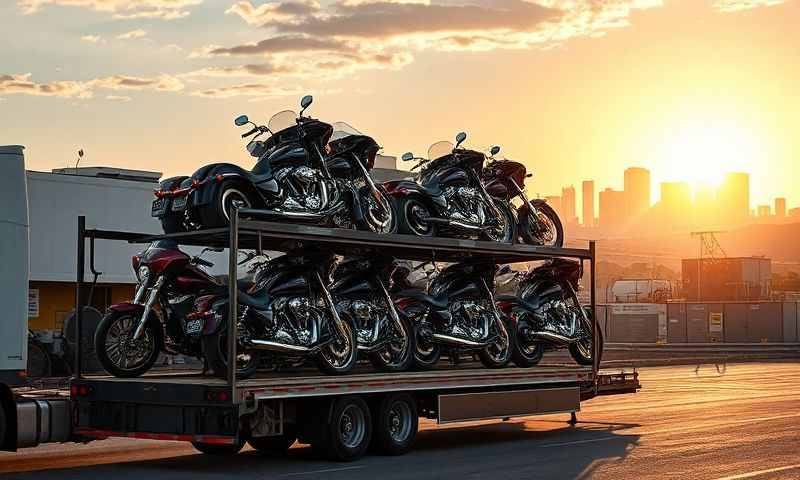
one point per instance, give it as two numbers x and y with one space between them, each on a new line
120 9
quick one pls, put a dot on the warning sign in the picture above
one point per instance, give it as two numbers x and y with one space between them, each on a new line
33 303
715 322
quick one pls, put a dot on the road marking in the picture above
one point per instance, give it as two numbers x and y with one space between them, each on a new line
327 470
760 472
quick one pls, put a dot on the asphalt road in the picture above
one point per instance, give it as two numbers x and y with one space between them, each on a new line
740 424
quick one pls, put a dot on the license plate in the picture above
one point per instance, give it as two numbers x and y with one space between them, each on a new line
178 204
194 326
159 207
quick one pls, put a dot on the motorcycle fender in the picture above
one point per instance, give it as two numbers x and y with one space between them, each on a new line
127 307
205 194
403 188
538 201
213 323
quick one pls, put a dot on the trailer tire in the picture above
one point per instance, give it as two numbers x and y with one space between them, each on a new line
220 450
276 444
345 433
396 424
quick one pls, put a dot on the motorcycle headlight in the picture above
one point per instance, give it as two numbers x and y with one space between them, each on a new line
143 274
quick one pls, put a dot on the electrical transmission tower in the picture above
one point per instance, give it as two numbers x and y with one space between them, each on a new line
710 251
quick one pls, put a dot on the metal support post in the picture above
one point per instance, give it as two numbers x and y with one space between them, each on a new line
79 295
233 256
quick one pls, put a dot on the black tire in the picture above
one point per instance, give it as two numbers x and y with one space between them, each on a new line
215 214
499 353
172 222
345 434
120 326
276 445
397 356
525 353
368 204
215 353
395 424
408 222
529 227
218 450
3 425
426 351
39 364
340 356
578 350
509 234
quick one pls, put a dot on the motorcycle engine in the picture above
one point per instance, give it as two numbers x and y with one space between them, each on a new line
304 187
465 204
469 318
365 314
556 316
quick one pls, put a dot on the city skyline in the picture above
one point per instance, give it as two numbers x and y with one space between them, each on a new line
685 89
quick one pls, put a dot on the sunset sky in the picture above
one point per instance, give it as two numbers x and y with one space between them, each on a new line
576 89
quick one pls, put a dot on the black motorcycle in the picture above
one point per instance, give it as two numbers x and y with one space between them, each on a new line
458 313
360 291
299 177
288 315
547 315
450 198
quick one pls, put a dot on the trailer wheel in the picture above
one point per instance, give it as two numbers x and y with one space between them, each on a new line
276 444
346 434
215 449
396 424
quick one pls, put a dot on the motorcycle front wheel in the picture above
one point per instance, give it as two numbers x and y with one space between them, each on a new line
541 226
506 229
582 350
398 355
116 350
340 355
379 217
498 354
215 352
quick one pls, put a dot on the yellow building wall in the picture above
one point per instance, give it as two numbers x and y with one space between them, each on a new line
57 301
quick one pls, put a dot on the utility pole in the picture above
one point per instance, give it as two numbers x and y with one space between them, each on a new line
709 248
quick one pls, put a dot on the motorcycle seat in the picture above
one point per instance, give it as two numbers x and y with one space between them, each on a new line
260 302
531 306
438 302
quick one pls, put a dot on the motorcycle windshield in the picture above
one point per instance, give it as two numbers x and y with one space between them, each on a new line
440 149
342 130
282 121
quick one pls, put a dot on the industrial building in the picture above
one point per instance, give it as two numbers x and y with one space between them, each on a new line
726 279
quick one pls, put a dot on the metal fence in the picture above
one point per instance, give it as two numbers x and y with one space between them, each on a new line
701 322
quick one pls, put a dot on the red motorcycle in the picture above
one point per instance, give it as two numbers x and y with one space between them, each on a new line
162 315
538 223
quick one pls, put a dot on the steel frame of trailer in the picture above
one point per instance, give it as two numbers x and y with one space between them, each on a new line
250 234
189 397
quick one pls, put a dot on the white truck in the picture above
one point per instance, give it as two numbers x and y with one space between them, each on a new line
24 420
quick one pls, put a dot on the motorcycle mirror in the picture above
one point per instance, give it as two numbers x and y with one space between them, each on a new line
241 120
305 103
407 157
495 150
460 138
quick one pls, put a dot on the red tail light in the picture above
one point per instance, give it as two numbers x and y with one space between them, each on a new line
505 306
403 303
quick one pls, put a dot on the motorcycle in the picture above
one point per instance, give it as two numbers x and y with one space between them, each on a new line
538 223
450 198
299 176
359 289
546 314
131 335
460 314
288 314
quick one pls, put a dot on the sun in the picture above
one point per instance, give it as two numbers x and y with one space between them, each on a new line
701 152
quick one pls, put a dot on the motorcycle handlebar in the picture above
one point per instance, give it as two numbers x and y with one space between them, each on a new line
203 263
254 130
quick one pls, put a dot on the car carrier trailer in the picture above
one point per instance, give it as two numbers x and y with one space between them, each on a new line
338 415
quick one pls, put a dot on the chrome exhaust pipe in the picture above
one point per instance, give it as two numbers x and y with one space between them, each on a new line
552 337
281 347
455 223
461 342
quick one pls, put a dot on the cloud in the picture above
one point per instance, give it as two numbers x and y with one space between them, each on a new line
739 5
118 98
274 12
282 44
133 34
258 90
92 38
22 84
250 70
119 9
